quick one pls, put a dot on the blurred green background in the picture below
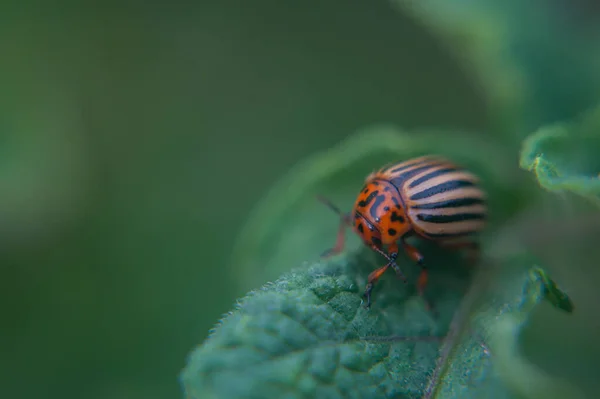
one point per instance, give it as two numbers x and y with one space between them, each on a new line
135 139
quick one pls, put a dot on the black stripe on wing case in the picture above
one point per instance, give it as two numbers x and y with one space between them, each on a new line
404 176
431 175
409 165
451 203
387 167
459 217
442 188
451 235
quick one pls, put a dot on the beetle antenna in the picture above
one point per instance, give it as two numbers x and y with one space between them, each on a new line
345 217
382 253
392 263
330 204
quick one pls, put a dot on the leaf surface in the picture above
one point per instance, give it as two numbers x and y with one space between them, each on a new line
307 335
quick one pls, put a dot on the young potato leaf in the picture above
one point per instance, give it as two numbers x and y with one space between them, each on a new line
564 156
290 226
308 335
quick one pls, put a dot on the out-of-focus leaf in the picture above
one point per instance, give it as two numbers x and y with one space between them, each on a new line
290 226
477 32
308 335
566 156
534 63
43 173
483 360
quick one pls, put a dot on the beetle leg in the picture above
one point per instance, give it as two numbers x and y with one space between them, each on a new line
416 256
345 221
339 242
393 250
372 280
413 253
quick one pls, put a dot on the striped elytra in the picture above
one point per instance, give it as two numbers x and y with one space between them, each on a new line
429 197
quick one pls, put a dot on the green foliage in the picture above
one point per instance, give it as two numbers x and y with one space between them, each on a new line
309 335
478 34
42 175
564 156
535 62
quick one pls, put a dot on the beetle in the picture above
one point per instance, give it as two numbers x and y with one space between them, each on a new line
429 197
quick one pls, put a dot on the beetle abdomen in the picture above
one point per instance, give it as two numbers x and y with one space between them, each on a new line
444 201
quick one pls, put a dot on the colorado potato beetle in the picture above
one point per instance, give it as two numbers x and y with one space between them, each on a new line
429 197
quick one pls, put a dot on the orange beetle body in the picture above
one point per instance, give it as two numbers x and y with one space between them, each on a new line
429 197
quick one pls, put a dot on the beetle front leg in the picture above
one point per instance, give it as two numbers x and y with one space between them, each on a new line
372 280
376 274
414 254
339 242
393 250
345 221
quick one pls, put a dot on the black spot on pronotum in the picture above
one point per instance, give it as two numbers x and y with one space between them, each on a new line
459 217
392 232
368 200
396 218
376 241
442 188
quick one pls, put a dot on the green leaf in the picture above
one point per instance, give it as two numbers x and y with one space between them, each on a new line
564 156
308 335
488 350
290 226
478 34
43 167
